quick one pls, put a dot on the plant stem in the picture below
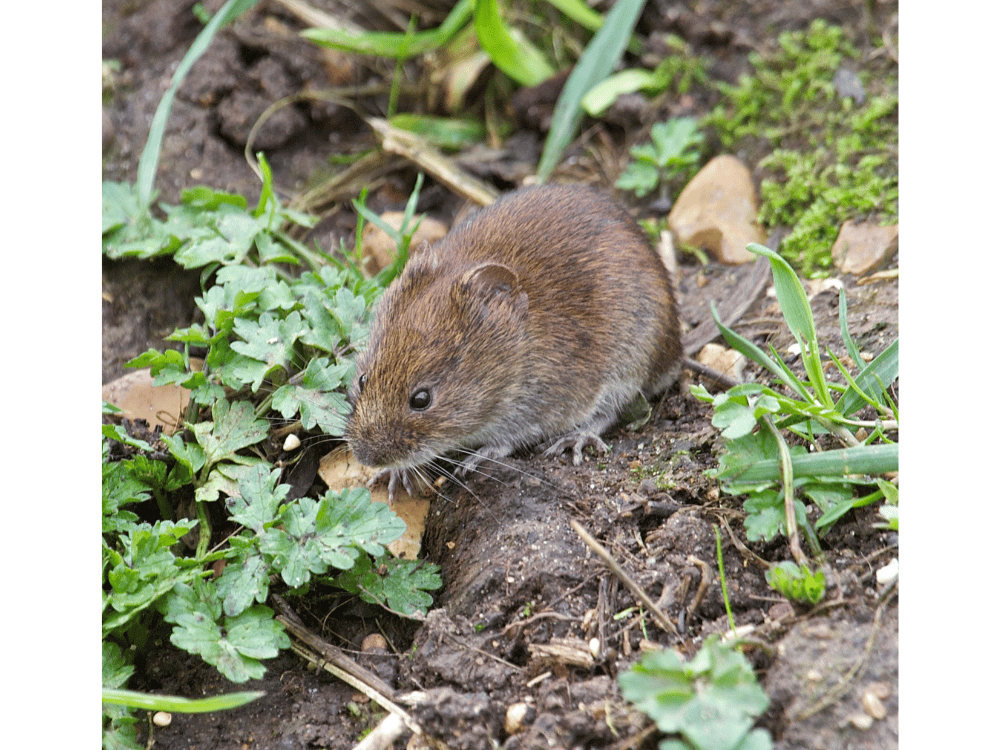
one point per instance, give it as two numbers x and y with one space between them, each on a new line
785 462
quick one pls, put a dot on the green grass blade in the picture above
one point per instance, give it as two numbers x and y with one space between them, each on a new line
595 64
849 344
580 12
517 58
859 459
751 351
395 45
603 95
444 132
176 704
880 371
146 174
798 316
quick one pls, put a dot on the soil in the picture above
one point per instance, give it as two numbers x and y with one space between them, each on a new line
516 576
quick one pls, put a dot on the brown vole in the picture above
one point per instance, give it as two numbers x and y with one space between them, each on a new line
540 317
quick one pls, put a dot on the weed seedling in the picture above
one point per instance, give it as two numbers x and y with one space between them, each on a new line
758 459
671 154
707 703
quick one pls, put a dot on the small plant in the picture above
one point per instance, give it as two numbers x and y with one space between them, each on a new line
273 345
707 703
276 352
759 462
796 582
672 153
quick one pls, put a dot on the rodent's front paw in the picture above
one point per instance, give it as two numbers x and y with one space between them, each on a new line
396 478
577 441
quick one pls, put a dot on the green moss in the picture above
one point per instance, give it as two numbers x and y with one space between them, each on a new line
825 159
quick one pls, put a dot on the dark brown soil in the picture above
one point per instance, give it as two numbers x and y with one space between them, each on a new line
516 576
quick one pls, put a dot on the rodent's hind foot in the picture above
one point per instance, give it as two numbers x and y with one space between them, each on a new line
577 441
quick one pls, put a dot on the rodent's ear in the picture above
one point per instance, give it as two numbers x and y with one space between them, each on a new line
420 248
489 279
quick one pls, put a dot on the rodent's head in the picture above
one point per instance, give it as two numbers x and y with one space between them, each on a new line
443 362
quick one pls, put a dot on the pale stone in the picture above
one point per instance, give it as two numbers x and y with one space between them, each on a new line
722 359
717 211
861 248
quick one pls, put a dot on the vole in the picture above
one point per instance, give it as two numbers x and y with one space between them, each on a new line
540 317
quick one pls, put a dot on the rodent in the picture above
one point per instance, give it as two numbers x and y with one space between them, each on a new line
540 317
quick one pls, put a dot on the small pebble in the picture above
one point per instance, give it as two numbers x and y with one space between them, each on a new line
861 721
888 572
880 689
873 706
519 716
374 641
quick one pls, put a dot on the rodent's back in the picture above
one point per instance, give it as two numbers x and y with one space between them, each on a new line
535 316
596 286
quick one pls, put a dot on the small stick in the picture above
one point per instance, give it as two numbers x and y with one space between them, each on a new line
661 619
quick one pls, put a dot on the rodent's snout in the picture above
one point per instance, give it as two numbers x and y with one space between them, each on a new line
377 442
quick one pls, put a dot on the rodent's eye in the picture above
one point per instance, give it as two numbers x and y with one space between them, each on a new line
420 399
361 383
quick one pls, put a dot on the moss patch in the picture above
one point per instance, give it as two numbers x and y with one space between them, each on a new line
828 157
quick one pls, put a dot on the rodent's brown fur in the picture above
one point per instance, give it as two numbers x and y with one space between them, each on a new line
541 316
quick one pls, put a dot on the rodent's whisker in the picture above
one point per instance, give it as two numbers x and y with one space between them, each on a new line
474 468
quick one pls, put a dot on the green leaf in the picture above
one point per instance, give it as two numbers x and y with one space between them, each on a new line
881 371
858 459
244 580
580 12
599 58
260 496
711 701
797 582
207 199
394 45
328 533
233 238
845 335
233 427
673 139
235 646
115 670
146 570
400 585
224 478
755 353
444 132
119 487
269 342
514 56
798 316
190 458
639 177
319 399
119 205
603 95
765 516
